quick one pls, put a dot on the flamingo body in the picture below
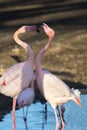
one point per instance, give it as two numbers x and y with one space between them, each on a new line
17 78
26 97
54 90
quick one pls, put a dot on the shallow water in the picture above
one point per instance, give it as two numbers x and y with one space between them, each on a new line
75 117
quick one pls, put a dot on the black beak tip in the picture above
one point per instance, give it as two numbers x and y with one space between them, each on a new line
39 26
38 30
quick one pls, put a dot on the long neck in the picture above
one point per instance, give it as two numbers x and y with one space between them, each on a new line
25 46
40 55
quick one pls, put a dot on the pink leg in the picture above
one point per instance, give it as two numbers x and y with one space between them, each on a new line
63 124
62 116
57 123
13 114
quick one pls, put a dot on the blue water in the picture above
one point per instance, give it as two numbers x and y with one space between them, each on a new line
75 117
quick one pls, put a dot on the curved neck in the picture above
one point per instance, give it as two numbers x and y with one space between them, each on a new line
40 55
24 45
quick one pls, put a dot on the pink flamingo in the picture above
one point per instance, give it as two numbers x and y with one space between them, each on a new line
26 98
19 76
55 91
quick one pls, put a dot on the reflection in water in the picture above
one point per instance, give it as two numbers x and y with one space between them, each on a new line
38 119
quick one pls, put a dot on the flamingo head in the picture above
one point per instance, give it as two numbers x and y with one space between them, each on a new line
25 29
49 31
76 96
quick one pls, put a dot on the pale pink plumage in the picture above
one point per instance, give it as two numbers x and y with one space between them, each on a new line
55 91
26 98
19 76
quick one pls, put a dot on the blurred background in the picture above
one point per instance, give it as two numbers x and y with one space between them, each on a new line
67 57
68 18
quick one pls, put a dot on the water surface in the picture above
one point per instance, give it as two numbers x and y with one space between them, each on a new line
75 117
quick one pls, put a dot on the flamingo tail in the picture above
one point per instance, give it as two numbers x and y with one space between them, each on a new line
76 92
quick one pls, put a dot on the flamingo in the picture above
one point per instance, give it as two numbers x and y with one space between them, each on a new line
26 98
19 76
53 89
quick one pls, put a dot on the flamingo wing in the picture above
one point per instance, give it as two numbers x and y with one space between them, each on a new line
10 74
54 88
15 79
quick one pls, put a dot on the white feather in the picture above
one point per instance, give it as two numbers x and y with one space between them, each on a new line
76 92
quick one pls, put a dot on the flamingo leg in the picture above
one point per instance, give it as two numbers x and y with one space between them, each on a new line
13 113
62 116
57 123
63 110
25 117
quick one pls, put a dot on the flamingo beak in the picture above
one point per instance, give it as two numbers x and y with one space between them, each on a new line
41 25
37 29
78 102
32 28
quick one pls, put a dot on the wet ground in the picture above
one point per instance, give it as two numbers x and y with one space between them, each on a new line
67 57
